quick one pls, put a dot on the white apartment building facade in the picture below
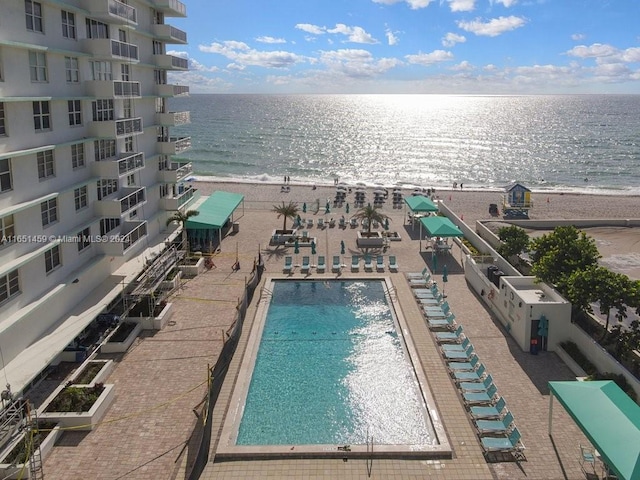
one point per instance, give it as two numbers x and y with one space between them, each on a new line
86 178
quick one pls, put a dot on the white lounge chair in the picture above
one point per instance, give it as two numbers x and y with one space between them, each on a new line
305 265
380 263
321 267
321 223
368 263
355 263
393 265
336 265
310 223
288 264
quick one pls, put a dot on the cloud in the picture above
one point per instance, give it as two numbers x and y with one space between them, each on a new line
450 39
506 3
242 55
413 4
313 29
356 63
391 37
266 39
463 66
462 5
596 50
436 56
354 34
578 36
494 27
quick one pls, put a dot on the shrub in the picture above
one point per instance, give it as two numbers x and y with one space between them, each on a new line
574 352
75 399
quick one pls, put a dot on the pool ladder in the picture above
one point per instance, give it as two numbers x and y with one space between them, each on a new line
391 292
369 454
265 295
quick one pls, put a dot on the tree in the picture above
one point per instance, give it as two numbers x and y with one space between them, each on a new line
581 291
286 211
371 214
514 241
612 291
182 218
557 255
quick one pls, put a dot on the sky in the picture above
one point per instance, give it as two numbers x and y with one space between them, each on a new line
410 46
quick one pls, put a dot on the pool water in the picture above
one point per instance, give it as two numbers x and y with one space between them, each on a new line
332 369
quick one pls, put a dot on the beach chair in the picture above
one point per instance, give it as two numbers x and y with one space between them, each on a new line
476 386
447 337
336 266
464 366
456 347
418 276
288 264
393 265
495 426
491 411
321 267
375 224
368 263
480 398
332 223
435 311
310 223
470 375
305 235
305 265
511 444
342 223
426 292
449 322
353 222
321 223
456 355
355 263
380 263
430 302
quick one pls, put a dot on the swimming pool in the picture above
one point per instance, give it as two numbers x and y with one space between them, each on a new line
328 367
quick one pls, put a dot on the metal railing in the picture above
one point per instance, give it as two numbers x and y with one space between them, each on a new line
123 10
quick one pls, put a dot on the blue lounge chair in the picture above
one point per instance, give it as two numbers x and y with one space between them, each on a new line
470 375
321 223
456 355
512 444
342 223
456 347
476 386
436 311
380 263
288 264
495 426
353 222
321 267
470 365
368 263
430 301
448 322
431 292
446 337
480 398
418 276
355 263
490 411
393 265
336 265
310 223
305 265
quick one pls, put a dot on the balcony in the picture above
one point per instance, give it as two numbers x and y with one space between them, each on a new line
107 48
181 198
113 89
168 90
169 34
174 145
176 172
111 11
116 128
118 242
126 199
173 119
171 8
170 62
119 166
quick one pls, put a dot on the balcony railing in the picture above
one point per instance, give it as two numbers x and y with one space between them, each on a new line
126 89
171 62
173 119
181 198
132 200
135 235
129 126
169 33
171 7
174 145
130 163
123 10
176 172
118 166
124 50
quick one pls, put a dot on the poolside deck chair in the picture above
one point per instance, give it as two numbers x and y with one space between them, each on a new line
430 301
332 223
305 265
456 347
464 366
336 266
453 355
447 337
417 276
393 265
310 223
470 375
426 292
380 263
342 223
587 456
353 222
355 263
480 398
512 443
495 426
305 236
368 263
476 386
448 322
321 267
490 411
321 223
436 311
288 264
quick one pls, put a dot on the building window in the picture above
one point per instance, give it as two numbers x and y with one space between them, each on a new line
128 144
38 66
80 197
3 128
164 190
68 24
7 230
106 187
108 224
9 285
160 77
41 116
52 258
77 156
97 29
72 71
84 239
103 110
127 108
6 183
104 149
75 112
125 72
33 12
101 70
158 48
46 164
49 211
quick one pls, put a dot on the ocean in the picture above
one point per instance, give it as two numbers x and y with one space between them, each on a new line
557 143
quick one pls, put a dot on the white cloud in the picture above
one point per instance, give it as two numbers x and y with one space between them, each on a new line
354 34
578 36
450 39
596 50
462 5
391 37
309 28
436 56
356 63
506 3
242 55
413 4
463 66
266 39
494 27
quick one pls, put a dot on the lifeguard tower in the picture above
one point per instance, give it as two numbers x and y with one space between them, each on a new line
516 202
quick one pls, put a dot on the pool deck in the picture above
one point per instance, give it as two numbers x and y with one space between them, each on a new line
148 433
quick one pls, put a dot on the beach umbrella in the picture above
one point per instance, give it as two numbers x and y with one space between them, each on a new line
313 247
296 247
304 207
298 220
347 208
543 326
434 259
386 224
342 249
327 208
445 278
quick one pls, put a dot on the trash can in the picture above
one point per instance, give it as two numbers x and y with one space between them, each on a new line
236 227
534 347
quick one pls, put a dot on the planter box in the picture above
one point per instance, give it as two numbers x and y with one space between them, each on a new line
375 240
392 236
173 283
119 347
154 323
570 362
19 470
193 270
282 238
100 377
79 420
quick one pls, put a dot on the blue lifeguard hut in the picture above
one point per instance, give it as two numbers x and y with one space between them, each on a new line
517 202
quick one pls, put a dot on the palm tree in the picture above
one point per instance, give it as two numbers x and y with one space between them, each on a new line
371 214
286 211
182 218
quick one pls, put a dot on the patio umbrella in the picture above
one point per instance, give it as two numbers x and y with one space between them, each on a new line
386 224
543 326
298 220
327 208
342 247
434 259
347 208
313 247
296 247
444 278
304 207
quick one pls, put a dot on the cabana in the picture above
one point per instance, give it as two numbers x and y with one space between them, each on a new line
609 419
439 227
215 212
420 204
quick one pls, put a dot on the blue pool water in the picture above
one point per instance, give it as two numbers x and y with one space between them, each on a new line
331 369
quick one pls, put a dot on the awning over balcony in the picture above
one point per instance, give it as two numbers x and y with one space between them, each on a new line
215 212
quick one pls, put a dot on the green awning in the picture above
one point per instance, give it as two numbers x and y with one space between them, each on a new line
419 203
440 227
609 419
215 211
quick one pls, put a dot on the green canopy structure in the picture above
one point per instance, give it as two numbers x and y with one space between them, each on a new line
420 204
609 419
215 212
440 227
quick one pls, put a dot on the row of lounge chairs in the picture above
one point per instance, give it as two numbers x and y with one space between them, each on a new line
337 265
494 422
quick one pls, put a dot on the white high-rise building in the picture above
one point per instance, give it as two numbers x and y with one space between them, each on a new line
86 179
